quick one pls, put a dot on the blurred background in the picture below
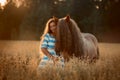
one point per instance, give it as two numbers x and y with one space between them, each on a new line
26 19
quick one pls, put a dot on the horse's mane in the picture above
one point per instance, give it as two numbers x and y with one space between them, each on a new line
68 37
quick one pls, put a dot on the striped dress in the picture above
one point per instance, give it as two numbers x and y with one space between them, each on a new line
49 43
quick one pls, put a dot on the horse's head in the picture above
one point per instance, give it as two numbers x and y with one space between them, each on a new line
66 22
68 37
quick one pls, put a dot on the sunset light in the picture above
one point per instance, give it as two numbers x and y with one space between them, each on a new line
18 3
3 3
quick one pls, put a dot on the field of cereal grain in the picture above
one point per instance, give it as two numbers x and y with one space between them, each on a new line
19 61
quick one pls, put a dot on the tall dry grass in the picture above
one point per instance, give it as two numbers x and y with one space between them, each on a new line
19 61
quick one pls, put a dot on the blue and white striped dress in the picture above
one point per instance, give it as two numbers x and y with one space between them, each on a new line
49 43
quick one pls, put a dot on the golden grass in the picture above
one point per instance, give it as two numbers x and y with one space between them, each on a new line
19 61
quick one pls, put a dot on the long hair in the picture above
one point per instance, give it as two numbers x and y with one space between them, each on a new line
47 29
68 38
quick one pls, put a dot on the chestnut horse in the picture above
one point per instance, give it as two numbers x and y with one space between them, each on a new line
70 41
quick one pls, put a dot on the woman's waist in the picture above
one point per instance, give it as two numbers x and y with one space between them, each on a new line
51 48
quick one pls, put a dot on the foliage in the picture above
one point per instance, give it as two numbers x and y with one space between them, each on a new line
21 18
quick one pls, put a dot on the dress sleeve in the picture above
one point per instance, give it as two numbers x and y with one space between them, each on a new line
44 44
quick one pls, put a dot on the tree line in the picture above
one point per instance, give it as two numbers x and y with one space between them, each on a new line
27 21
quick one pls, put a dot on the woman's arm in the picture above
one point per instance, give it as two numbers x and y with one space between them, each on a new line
44 46
45 51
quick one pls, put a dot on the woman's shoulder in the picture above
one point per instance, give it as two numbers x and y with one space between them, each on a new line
47 34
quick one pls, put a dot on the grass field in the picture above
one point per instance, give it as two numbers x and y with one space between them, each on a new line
19 61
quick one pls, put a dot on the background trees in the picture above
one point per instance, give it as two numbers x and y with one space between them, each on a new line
25 19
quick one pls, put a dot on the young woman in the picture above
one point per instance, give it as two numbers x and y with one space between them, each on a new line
47 44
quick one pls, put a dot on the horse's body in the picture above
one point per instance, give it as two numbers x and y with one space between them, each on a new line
71 41
90 46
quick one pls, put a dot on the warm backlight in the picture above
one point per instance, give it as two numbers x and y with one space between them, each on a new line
3 2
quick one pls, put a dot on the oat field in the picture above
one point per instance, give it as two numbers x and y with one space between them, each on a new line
19 61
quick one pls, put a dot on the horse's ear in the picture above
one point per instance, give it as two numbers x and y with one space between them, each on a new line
67 18
55 18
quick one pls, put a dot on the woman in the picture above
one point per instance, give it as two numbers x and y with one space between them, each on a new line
47 44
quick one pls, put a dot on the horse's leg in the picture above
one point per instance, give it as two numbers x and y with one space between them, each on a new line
98 53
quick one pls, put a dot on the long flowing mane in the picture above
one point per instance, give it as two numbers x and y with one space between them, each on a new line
69 38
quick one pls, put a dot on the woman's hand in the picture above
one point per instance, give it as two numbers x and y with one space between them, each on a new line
55 59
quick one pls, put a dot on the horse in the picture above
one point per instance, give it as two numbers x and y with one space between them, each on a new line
70 41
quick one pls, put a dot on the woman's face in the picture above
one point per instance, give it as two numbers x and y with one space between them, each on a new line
53 27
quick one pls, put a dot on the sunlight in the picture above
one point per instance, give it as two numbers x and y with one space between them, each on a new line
18 3
3 3
55 2
97 7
